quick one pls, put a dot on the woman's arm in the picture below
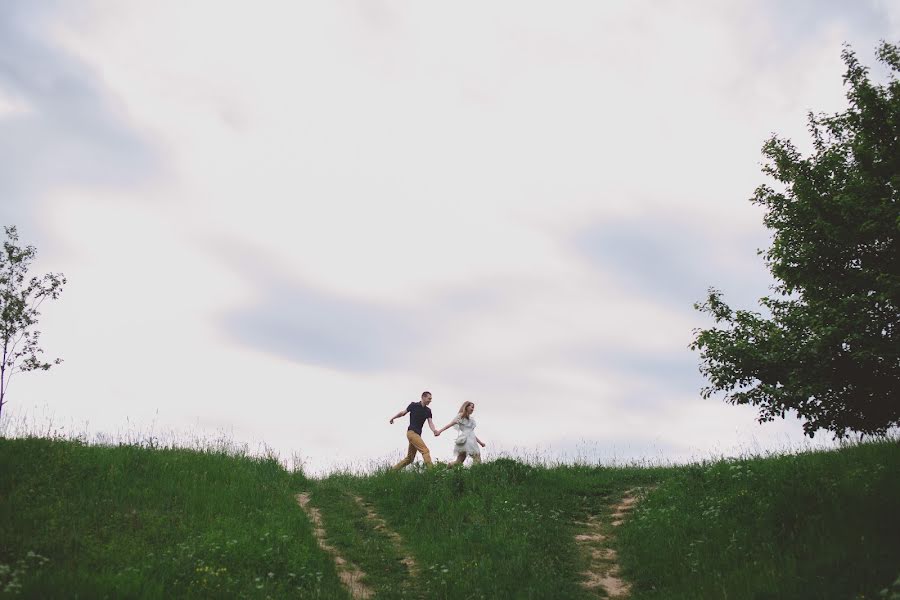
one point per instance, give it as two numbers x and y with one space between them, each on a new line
398 415
448 425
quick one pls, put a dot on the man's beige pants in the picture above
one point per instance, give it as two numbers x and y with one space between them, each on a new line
415 445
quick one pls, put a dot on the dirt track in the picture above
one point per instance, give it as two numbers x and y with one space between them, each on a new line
603 571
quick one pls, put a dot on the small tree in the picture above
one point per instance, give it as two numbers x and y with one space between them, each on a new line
829 347
20 299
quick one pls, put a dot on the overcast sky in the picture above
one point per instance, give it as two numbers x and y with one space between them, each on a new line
281 221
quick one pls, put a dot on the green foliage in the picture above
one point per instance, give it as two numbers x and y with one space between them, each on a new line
20 298
828 348
817 526
892 592
138 522
134 522
503 529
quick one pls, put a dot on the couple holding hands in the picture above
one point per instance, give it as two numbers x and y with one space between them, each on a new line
466 441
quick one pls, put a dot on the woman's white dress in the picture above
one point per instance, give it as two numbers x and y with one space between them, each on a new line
465 438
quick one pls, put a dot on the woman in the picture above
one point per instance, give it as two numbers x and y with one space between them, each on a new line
466 441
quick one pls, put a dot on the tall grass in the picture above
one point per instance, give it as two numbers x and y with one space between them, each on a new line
503 529
811 525
130 521
136 521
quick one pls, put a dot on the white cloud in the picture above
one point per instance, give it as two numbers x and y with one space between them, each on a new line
12 106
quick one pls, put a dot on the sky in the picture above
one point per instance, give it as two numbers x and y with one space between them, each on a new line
282 221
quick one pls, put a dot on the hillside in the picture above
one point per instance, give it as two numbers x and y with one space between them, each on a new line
134 522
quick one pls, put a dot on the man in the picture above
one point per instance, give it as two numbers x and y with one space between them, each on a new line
418 414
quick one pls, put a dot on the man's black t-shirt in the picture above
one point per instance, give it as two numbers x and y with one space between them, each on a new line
418 414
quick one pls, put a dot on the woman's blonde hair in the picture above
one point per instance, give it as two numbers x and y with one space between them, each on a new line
462 409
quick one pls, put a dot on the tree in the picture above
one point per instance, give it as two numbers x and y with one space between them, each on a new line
20 299
828 346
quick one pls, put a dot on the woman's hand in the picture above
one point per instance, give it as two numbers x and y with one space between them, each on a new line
482 443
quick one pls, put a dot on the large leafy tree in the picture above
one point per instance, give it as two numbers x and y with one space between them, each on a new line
827 346
20 299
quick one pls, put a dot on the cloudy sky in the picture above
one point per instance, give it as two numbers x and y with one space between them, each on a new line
281 221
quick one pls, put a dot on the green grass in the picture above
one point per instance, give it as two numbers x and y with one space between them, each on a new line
503 529
133 522
815 525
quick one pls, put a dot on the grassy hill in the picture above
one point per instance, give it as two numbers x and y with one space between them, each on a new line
133 522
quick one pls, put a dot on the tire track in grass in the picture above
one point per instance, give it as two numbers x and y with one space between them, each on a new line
603 570
349 574
381 525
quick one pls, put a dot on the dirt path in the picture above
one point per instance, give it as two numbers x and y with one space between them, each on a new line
382 526
603 571
349 574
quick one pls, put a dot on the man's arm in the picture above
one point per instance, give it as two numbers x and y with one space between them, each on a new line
433 428
402 413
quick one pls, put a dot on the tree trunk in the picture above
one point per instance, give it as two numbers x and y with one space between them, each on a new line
3 376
